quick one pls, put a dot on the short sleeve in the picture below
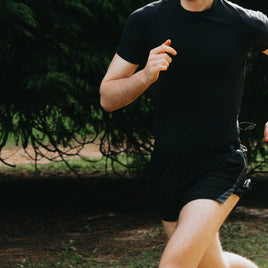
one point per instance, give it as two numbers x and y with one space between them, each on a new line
132 45
260 43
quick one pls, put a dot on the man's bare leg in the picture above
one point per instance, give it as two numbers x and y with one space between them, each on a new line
194 241
215 257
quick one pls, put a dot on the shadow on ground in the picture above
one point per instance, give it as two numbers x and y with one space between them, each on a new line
97 194
41 214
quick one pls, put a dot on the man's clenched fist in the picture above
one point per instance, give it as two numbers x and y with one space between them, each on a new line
158 60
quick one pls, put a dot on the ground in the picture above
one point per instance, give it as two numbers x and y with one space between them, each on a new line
63 221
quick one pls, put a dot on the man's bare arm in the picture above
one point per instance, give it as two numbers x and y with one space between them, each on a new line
121 85
266 125
266 132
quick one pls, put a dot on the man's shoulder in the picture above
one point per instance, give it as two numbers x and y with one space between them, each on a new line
247 15
149 10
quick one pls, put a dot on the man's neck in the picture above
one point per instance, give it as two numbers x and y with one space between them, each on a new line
196 5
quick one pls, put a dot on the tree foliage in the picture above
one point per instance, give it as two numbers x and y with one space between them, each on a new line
254 111
53 56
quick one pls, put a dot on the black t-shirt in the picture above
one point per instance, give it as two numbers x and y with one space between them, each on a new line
197 100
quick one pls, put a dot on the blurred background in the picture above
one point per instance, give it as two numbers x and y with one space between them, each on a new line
74 179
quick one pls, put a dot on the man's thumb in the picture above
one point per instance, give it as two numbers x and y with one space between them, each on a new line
167 42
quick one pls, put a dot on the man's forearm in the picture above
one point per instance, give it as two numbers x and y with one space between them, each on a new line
121 87
116 94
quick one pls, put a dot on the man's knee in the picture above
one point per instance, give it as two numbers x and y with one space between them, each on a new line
235 260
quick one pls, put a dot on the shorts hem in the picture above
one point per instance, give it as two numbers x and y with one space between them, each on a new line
172 219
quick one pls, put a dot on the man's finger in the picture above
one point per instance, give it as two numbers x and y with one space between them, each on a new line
164 49
162 67
161 56
167 43
161 62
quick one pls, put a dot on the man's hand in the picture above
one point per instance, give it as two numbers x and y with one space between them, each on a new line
158 60
266 132
265 52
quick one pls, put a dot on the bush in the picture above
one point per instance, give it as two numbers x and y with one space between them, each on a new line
54 55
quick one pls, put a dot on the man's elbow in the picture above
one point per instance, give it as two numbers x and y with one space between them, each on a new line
106 105
108 108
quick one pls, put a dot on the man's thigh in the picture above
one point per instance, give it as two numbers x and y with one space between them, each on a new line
198 224
213 256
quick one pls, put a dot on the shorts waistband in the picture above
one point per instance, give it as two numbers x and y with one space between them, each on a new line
223 149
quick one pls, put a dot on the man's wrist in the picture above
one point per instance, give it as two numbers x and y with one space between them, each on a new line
144 78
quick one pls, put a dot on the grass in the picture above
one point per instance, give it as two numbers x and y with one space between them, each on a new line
248 241
243 238
94 166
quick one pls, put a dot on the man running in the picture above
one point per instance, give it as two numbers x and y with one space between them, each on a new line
198 162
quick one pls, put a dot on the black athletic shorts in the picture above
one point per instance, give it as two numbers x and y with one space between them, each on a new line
213 178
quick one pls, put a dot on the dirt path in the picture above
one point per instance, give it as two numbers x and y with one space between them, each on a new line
17 155
30 236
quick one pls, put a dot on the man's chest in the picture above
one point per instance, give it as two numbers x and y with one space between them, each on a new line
206 44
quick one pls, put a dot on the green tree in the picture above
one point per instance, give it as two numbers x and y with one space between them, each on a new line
53 55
